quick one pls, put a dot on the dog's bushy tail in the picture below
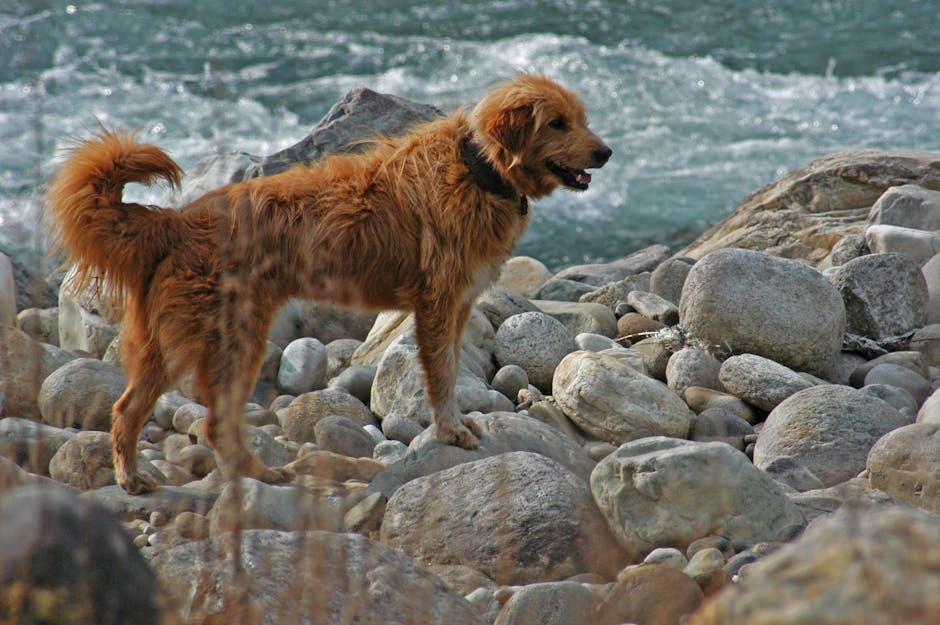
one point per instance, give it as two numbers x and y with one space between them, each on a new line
102 237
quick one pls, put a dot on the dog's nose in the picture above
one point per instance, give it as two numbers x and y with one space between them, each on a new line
602 154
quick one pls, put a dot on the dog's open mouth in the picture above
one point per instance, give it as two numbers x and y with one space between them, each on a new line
574 178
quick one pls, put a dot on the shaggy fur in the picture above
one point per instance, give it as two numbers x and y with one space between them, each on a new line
405 225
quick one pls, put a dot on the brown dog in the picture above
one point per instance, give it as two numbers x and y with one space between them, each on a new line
420 223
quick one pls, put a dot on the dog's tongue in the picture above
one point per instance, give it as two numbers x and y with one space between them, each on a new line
583 177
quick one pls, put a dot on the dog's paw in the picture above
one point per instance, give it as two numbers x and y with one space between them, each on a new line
464 433
137 483
473 426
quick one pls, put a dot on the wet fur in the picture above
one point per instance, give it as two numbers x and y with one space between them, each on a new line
400 226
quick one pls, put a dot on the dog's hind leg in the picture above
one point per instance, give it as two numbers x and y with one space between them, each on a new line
435 327
147 381
226 384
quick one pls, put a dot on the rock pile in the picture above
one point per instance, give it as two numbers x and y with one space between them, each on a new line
657 431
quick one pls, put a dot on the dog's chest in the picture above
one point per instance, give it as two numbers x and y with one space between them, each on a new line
483 278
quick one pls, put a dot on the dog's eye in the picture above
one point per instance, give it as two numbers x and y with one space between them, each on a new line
558 123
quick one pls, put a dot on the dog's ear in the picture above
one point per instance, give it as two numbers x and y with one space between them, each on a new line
511 129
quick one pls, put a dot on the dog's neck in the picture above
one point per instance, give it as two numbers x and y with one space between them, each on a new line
484 175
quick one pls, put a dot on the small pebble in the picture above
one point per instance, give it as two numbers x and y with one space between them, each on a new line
668 556
153 432
509 380
281 401
389 452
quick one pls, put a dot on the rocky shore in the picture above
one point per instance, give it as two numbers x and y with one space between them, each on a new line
743 431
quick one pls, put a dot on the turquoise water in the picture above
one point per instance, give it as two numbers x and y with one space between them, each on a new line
702 102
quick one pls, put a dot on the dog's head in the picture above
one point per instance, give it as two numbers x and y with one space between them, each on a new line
535 132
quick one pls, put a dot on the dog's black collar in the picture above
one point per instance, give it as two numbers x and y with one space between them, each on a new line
483 175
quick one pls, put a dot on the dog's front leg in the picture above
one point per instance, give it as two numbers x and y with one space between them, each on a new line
436 327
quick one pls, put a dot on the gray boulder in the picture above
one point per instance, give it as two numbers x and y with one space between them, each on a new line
885 295
850 246
341 578
930 411
356 380
29 444
750 302
301 416
905 463
549 603
265 448
668 279
524 275
613 402
759 381
499 303
691 366
649 594
595 342
927 342
172 499
24 366
921 246
828 429
579 317
476 348
81 394
339 355
720 425
600 274
654 307
250 504
854 493
360 114
389 451
302 367
895 396
509 380
655 353
891 549
62 556
80 328
85 462
562 290
166 407
40 323
900 377
187 414
399 386
7 292
399 428
613 293
503 432
931 271
301 318
536 342
912 360
909 206
662 492
343 436
803 213
788 471
518 518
